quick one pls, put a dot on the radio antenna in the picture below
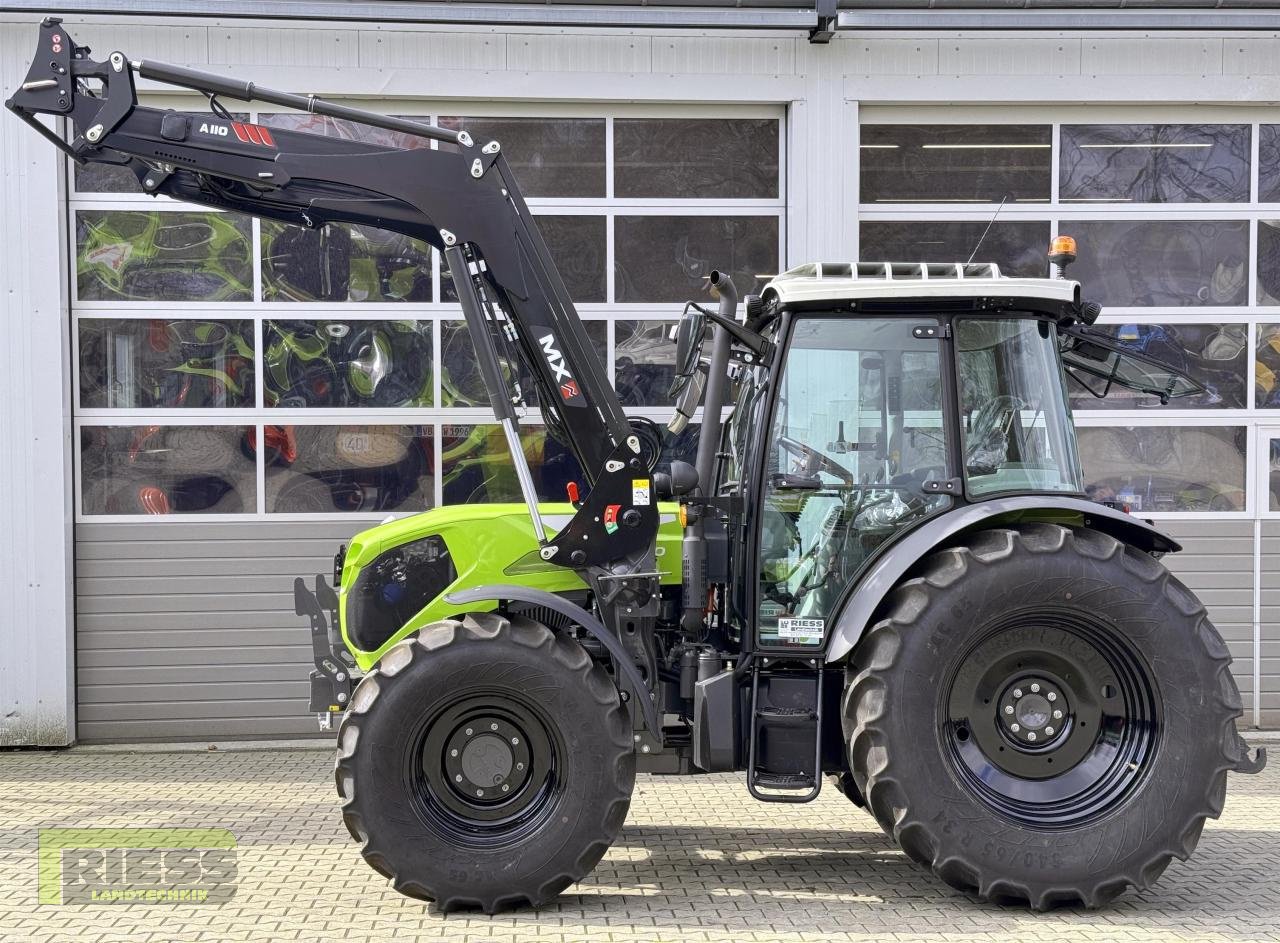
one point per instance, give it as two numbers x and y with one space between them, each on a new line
1004 199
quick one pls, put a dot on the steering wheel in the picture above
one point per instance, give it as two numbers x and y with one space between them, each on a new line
990 428
816 461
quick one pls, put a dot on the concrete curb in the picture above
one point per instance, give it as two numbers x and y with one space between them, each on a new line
221 746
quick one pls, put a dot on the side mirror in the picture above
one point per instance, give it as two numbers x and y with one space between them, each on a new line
688 337
690 396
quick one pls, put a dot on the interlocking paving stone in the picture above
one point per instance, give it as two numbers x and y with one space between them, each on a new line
698 860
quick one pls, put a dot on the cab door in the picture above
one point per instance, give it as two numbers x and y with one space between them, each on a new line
857 427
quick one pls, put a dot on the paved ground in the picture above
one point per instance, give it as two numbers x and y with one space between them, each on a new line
698 860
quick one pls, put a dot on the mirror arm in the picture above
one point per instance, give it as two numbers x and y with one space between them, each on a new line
742 334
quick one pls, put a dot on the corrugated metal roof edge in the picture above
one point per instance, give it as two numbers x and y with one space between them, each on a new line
747 14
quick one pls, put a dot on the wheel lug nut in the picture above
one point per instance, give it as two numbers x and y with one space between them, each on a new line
1031 735
1017 692
519 766
453 752
506 787
1048 731
1008 709
1057 715
1051 696
515 741
1015 728
458 778
479 792
470 731
1035 689
493 726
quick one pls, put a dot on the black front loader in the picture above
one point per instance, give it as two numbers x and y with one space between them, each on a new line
460 198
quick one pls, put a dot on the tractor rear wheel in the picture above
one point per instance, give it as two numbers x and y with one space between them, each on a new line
486 762
1043 716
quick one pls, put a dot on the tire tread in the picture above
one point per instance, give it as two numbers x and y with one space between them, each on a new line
866 697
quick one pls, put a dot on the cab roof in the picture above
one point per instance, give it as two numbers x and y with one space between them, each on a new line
853 281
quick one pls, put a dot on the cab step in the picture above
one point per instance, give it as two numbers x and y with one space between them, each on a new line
786 716
784 752
767 780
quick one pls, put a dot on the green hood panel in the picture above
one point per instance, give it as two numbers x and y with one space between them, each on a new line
484 541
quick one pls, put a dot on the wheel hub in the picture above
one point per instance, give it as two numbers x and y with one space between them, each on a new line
486 759
1033 711
1049 717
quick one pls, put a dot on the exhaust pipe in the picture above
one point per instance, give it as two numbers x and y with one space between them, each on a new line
717 379
694 545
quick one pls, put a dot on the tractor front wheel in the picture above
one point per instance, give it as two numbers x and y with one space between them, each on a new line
1044 715
486 762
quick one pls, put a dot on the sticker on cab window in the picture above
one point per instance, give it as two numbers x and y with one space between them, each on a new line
808 631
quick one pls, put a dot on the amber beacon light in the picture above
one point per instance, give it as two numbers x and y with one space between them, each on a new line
1062 252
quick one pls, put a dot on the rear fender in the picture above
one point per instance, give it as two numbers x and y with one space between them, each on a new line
872 590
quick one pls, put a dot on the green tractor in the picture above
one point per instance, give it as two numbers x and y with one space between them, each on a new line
882 569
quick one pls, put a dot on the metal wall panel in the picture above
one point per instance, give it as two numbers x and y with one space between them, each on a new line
336 48
35 550
1031 56
1148 55
1269 642
697 55
187 631
535 52
1216 563
891 56
1252 55
186 43
457 49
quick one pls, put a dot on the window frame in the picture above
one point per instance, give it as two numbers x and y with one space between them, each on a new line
436 312
1062 214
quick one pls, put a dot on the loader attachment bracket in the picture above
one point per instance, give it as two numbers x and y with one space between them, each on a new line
331 676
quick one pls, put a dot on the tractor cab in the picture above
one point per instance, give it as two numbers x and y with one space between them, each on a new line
896 393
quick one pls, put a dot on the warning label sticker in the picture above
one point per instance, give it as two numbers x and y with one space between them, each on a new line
640 492
810 631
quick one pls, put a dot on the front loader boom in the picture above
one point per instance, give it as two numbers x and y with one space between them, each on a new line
461 198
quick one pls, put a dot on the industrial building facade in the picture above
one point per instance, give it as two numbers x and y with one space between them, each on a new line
198 407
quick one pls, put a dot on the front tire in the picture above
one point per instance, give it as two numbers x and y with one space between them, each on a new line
1043 716
486 762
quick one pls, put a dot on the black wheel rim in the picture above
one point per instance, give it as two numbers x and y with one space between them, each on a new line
1050 718
487 769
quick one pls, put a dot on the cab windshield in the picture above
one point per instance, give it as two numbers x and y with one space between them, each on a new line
1015 420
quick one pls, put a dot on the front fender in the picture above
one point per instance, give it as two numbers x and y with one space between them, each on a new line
888 571
538 597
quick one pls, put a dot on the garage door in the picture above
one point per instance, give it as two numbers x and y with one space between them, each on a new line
249 394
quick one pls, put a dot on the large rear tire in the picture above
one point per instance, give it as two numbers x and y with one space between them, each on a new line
1043 716
486 762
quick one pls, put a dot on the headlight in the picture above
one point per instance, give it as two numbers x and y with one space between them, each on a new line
395 587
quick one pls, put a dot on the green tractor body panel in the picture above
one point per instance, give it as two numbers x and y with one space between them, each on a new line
487 543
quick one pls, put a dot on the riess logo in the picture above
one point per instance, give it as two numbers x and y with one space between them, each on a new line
569 391
137 865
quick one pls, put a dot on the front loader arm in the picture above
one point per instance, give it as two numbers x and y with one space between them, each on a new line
460 198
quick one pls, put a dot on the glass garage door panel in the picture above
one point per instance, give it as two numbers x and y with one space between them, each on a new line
325 373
